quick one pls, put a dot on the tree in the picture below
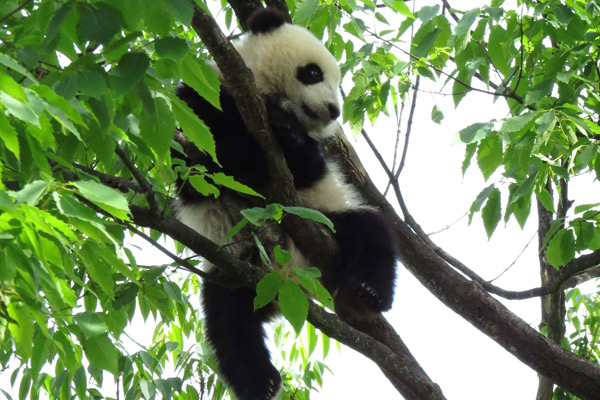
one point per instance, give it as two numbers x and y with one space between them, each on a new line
88 116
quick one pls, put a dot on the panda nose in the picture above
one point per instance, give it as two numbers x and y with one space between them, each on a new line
334 112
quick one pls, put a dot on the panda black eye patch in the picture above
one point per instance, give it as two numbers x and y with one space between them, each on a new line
310 74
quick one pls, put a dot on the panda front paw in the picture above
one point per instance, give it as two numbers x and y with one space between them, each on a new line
286 126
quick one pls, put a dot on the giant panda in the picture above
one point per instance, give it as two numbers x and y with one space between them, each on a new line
298 80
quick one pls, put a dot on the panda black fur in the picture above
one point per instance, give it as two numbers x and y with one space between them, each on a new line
298 79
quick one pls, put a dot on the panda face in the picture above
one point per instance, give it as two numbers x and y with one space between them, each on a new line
292 66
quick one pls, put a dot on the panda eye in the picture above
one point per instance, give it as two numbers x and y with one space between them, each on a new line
310 74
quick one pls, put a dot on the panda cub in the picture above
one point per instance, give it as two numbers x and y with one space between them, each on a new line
298 80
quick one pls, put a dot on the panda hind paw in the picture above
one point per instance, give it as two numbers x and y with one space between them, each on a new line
263 387
371 297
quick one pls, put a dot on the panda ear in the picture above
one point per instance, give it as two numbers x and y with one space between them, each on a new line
265 20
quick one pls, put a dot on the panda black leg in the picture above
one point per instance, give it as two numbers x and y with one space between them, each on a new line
364 273
238 338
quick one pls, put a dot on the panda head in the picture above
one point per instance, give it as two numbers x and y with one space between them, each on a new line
293 67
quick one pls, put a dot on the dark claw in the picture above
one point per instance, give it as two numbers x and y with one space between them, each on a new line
370 296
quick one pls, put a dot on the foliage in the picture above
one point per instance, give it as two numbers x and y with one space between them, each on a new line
81 79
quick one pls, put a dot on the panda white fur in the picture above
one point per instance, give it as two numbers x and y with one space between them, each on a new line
298 79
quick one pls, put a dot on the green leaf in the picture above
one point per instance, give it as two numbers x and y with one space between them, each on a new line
32 192
539 91
59 102
98 23
163 387
14 65
157 126
399 6
294 304
71 207
170 47
309 213
546 199
202 186
475 132
466 22
469 153
9 135
183 10
107 198
267 288
200 77
515 124
425 44
128 72
102 353
225 180
90 324
12 88
323 296
436 114
545 123
256 214
236 228
194 128
585 207
282 256
264 256
148 389
489 155
22 330
497 49
6 201
561 248
305 9
173 291
492 212
307 277
99 271
92 83
19 109
426 13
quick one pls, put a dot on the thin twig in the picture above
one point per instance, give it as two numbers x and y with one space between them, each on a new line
19 8
180 261
516 259
409 125
452 14
146 186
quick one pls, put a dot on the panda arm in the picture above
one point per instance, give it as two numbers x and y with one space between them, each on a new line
303 154
238 153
